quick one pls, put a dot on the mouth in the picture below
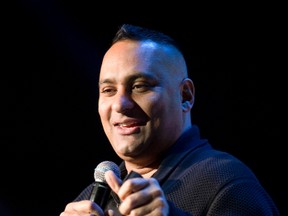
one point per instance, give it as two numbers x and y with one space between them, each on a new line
129 127
129 124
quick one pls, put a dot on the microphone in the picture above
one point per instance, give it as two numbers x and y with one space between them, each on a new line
101 190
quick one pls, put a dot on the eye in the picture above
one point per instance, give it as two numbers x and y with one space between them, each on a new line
141 87
108 90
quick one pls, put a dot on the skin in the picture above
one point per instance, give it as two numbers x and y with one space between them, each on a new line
144 105
141 87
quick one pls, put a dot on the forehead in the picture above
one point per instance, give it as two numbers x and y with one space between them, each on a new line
128 52
135 57
132 51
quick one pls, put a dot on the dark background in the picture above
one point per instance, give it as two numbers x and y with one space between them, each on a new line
51 136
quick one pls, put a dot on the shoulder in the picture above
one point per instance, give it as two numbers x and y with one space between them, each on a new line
214 164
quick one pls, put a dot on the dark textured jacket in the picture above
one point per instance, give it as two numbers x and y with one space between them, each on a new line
199 180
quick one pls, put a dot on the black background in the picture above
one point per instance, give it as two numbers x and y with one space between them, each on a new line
51 136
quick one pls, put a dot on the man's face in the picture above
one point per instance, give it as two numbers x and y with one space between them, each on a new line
140 99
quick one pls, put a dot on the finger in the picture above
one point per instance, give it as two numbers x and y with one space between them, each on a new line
158 206
144 192
113 181
110 213
131 186
82 207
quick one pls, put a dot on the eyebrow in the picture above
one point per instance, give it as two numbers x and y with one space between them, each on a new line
130 78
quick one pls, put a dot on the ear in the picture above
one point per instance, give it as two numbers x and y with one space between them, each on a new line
188 94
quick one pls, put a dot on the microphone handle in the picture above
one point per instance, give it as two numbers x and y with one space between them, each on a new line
100 194
101 191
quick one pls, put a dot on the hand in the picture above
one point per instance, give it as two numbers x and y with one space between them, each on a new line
139 196
82 208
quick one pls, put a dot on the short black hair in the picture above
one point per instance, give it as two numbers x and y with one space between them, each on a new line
139 33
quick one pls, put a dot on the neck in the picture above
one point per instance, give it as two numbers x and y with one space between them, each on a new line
145 170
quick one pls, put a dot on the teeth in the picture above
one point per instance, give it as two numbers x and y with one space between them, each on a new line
123 125
127 124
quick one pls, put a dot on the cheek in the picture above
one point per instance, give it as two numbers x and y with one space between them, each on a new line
104 113
103 110
153 105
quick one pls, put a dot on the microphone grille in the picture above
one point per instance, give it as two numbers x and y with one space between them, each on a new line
99 172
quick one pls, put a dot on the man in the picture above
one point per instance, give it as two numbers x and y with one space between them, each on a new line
144 104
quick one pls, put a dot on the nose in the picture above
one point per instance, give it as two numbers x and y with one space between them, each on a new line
122 102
